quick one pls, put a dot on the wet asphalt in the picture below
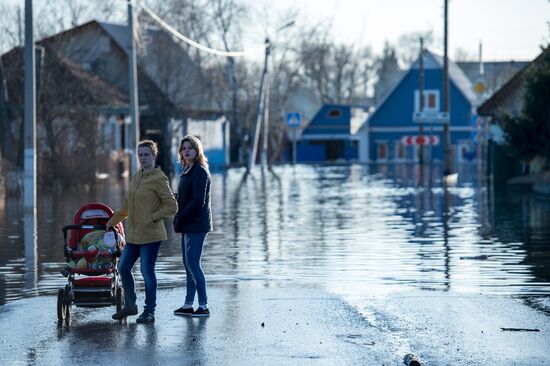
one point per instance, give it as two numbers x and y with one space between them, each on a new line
285 324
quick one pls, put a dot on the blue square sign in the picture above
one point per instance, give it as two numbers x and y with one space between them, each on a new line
293 119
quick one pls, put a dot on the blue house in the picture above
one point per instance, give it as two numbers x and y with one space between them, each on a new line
391 134
332 134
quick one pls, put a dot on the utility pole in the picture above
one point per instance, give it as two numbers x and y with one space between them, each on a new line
29 175
29 188
421 97
266 108
133 133
447 169
263 107
261 102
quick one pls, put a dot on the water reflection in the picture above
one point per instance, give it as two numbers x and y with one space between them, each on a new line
353 229
31 243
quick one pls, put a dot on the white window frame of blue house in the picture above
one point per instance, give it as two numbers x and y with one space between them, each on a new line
397 156
378 145
415 149
410 152
427 94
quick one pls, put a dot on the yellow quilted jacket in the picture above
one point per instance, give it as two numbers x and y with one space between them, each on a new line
149 200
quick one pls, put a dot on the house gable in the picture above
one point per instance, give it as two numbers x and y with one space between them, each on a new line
97 52
332 121
509 98
168 65
398 106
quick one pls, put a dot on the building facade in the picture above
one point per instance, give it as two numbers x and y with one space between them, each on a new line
392 133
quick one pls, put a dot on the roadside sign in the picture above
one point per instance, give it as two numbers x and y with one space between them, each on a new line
431 117
420 140
293 119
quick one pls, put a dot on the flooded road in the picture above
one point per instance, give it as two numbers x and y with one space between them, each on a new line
353 230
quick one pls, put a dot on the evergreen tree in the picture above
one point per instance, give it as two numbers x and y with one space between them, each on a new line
388 72
528 135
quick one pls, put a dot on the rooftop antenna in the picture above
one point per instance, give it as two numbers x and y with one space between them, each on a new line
481 69
480 86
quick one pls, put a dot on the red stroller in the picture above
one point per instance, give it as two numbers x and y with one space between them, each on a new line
93 279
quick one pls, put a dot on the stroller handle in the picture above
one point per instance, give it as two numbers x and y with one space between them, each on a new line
90 227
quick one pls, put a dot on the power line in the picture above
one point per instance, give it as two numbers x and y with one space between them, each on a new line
177 34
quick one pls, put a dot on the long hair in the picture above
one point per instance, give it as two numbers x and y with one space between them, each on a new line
197 145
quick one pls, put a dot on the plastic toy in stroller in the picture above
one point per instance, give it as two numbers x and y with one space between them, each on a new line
92 255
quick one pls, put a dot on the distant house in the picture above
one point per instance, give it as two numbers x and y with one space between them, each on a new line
172 89
491 75
331 134
508 99
304 101
391 135
71 103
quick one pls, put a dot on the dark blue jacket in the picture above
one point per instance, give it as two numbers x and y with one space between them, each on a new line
194 209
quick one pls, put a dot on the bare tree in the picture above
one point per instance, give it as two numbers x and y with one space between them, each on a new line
53 16
408 46
189 18
227 15
387 72
11 27
339 72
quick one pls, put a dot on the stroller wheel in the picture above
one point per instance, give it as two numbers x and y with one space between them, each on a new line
61 307
119 298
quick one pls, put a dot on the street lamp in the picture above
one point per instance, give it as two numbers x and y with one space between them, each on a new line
263 106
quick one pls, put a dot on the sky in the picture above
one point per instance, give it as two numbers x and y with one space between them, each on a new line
508 29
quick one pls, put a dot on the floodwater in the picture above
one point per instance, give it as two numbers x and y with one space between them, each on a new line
350 229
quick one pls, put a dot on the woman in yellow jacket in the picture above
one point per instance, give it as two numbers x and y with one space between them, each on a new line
149 200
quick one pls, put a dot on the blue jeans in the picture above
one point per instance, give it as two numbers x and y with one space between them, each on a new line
191 249
147 253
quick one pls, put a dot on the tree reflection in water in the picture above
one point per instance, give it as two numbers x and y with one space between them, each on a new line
351 229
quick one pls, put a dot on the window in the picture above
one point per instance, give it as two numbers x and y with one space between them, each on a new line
335 113
410 153
431 100
382 152
399 151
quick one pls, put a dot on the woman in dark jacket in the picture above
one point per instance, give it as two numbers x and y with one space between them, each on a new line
193 220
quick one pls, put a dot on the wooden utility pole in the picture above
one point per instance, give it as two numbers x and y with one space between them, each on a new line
133 135
448 153
261 105
421 97
263 108
29 188
266 112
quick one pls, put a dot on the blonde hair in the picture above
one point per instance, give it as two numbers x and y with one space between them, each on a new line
197 145
151 145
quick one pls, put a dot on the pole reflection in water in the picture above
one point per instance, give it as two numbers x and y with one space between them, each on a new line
352 229
446 214
31 243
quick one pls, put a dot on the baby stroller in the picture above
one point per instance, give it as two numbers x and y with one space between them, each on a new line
93 279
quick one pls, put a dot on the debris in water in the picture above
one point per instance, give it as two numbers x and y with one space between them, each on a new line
520 329
410 360
477 257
